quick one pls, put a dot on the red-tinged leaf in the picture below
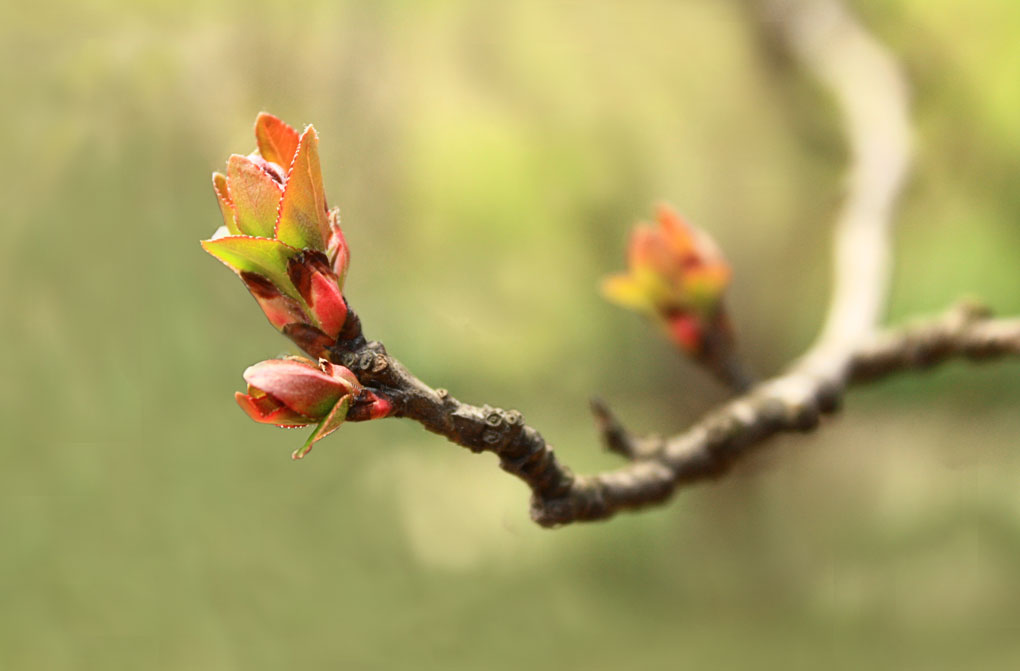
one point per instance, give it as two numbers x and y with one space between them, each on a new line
367 405
265 410
255 195
328 304
313 278
379 406
310 339
279 309
262 256
300 270
303 220
328 425
301 387
219 181
277 140
341 373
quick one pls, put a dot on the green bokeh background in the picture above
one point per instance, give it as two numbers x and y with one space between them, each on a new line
488 159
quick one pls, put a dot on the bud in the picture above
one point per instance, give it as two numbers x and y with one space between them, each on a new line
297 392
677 277
278 234
311 275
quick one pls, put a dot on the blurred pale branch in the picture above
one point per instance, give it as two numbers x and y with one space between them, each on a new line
868 87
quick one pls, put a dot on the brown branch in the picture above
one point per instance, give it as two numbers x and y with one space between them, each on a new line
792 402
617 439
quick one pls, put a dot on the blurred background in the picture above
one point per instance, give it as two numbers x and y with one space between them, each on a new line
488 159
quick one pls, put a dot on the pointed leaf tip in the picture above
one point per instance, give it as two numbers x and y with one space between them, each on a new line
303 220
262 256
219 181
266 411
328 425
277 140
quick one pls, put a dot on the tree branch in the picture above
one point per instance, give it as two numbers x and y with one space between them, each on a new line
792 402
871 95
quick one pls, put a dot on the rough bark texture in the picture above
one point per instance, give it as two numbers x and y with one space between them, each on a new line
795 401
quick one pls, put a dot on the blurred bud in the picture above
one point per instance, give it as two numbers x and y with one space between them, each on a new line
278 234
677 277
298 392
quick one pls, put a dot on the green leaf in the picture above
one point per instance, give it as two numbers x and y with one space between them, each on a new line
262 256
328 425
255 195
303 220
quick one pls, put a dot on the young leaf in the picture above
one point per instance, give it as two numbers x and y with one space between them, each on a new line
303 220
262 256
255 195
219 181
328 425
277 140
